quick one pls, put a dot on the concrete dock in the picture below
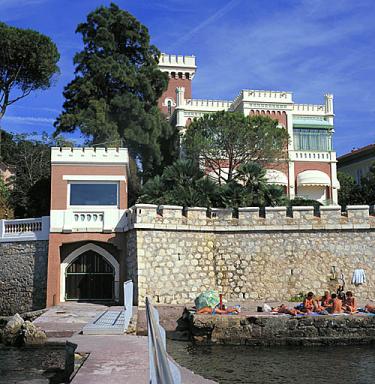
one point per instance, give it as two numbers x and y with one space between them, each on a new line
111 359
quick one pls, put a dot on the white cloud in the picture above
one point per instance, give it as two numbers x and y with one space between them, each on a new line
214 17
30 120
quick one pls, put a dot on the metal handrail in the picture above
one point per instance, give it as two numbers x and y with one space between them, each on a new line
160 366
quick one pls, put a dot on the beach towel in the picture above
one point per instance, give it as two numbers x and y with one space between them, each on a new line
359 276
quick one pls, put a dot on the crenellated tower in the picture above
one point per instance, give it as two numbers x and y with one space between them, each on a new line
181 70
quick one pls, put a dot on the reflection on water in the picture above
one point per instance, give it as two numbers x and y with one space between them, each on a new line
259 365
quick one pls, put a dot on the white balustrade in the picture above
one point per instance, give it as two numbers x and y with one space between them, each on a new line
323 156
24 229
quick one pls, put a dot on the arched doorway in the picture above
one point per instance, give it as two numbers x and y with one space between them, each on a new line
89 277
89 273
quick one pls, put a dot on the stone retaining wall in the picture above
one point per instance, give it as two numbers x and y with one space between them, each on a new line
23 276
180 254
307 330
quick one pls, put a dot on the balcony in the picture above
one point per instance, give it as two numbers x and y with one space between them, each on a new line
320 156
104 220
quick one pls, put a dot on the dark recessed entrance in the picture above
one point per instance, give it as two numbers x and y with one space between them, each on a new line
90 277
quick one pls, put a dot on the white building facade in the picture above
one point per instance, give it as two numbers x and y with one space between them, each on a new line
311 170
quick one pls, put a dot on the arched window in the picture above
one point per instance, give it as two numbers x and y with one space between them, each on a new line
169 104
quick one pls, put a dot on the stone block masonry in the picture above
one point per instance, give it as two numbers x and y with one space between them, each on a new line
263 257
275 330
23 276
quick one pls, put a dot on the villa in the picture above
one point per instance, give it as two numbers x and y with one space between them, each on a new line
358 162
311 170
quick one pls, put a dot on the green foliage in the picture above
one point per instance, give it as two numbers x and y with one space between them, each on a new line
367 188
134 183
28 61
183 183
249 188
349 192
5 208
29 155
115 92
229 139
31 161
298 298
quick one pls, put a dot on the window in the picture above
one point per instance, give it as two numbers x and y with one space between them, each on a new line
312 139
169 107
93 193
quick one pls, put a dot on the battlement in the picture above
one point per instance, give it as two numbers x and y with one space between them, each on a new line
270 96
167 60
178 66
171 217
261 96
72 155
309 108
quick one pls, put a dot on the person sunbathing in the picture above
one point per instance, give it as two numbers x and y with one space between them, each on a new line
308 303
217 310
326 300
370 308
336 304
350 304
284 309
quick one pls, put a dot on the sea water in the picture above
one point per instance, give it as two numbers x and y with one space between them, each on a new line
39 365
263 365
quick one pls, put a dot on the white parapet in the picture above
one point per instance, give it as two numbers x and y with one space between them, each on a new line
89 155
309 109
267 96
180 61
105 220
207 105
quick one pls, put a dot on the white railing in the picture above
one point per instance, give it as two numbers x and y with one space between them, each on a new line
312 156
24 229
162 369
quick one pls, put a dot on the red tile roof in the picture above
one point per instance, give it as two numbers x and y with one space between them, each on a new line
357 151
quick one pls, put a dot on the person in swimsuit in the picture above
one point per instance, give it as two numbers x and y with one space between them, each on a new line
308 303
217 310
336 304
350 304
326 300
284 309
370 308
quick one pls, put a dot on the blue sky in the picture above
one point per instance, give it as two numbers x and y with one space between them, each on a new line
307 47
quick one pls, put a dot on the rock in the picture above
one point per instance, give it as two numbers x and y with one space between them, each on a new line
32 335
12 333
